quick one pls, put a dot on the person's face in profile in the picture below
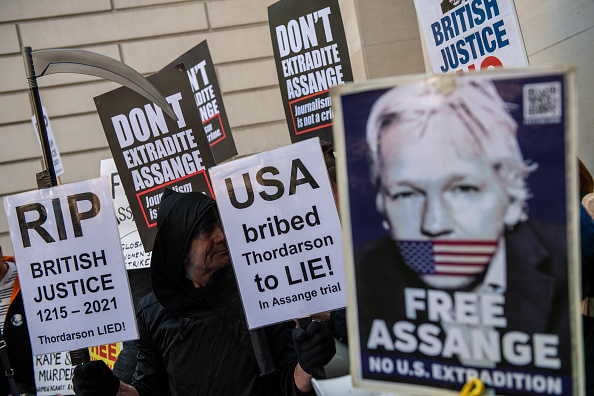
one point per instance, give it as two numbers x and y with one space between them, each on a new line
438 185
208 253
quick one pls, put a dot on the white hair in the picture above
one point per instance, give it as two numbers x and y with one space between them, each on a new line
476 102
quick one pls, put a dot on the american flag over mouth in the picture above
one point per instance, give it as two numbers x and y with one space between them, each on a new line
454 258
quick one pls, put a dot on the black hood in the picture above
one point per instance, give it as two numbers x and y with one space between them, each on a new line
180 218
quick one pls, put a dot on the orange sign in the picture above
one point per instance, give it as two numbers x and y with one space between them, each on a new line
108 353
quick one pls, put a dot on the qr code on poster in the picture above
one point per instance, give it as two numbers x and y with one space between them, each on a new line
542 103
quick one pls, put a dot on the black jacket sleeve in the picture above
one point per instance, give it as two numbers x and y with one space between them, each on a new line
150 378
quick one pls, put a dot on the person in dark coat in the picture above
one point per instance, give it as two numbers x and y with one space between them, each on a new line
14 330
193 335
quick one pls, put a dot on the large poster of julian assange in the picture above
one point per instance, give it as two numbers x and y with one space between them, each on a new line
460 207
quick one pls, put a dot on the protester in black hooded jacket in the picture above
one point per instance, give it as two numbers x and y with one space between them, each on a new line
193 335
15 332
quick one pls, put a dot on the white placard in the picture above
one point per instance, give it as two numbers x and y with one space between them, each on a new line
73 279
464 35
58 167
132 248
53 374
283 231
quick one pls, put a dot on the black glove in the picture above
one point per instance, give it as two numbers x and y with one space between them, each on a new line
314 346
95 379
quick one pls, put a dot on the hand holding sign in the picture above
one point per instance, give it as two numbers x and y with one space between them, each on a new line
95 379
314 345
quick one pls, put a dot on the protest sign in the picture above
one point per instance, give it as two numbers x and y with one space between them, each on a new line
54 371
153 152
207 93
108 353
460 205
283 231
311 55
53 374
73 280
464 35
134 255
58 167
